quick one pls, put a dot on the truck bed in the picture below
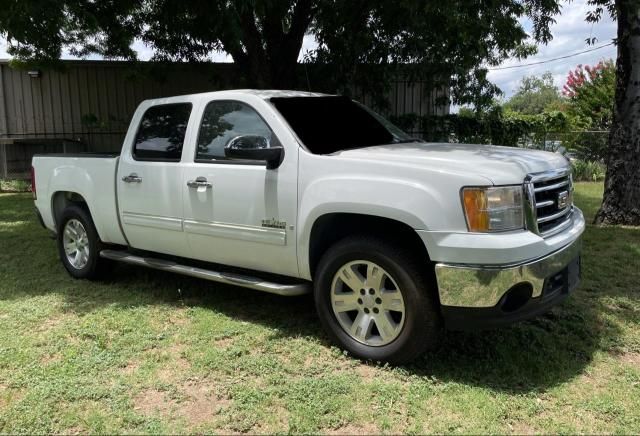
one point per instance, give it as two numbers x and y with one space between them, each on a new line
91 176
84 154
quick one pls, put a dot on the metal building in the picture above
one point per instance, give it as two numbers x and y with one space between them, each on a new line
87 105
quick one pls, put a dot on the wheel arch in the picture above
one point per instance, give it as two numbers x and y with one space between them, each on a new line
330 228
60 200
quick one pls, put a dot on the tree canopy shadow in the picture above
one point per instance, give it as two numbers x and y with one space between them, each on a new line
524 358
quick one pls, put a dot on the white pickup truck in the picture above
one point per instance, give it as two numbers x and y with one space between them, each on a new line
292 192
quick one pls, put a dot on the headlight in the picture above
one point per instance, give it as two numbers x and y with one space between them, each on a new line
493 209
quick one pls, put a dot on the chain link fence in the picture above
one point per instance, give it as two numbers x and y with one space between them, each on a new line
588 145
16 156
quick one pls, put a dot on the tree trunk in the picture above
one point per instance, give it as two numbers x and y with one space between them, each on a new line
621 203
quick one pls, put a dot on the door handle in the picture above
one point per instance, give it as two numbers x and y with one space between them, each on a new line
132 178
199 182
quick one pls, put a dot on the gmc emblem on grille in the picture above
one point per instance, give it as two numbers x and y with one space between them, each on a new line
563 198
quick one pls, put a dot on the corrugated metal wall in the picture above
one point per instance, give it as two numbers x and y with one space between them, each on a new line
92 101
89 101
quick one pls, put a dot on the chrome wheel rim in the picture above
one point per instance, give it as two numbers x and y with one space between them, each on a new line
367 303
76 244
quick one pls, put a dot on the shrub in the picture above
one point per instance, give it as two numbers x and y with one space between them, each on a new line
588 171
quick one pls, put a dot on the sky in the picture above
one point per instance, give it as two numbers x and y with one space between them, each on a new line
569 35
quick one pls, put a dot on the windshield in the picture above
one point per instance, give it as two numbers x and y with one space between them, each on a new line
329 124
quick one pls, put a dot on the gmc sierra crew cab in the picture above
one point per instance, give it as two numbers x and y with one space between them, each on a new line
292 192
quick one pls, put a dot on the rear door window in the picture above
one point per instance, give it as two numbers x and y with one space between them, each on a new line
161 132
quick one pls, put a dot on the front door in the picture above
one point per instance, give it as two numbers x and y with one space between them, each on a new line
239 213
149 181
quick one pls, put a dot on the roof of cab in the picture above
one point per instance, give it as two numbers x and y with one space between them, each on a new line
264 94
270 93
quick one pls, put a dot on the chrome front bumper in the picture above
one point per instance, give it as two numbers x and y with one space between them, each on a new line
480 286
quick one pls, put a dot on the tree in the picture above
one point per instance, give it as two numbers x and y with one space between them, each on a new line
534 95
621 202
360 41
590 91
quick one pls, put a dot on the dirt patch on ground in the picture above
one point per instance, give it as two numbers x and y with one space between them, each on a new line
131 368
349 429
75 430
177 365
9 395
202 402
50 324
277 422
631 358
180 319
367 371
196 402
153 402
50 358
522 428
224 342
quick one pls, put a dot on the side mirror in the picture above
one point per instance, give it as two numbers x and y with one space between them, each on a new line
255 147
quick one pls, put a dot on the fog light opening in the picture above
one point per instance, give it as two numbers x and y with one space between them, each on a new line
516 297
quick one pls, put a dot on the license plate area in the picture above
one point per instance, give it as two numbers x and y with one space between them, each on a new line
564 281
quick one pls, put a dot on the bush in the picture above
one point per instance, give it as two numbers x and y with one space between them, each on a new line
493 127
588 171
589 146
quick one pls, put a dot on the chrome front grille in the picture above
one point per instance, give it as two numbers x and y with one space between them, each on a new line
549 201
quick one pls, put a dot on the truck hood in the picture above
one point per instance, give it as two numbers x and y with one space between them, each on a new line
501 165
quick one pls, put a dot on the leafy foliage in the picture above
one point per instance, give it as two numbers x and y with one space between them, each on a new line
535 95
591 91
588 171
494 126
360 41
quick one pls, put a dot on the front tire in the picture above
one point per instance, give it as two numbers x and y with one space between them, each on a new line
79 245
376 300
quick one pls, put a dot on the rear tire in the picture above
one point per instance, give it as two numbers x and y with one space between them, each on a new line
393 314
79 245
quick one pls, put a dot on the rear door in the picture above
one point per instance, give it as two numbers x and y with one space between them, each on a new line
149 181
242 213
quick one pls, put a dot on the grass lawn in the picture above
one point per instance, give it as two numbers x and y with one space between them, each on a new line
150 352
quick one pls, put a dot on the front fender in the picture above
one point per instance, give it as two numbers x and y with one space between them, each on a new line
410 203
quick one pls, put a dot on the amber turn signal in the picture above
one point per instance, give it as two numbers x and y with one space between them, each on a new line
475 207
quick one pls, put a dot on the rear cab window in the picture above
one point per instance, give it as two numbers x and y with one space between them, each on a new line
161 132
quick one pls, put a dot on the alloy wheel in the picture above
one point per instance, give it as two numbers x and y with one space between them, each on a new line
367 303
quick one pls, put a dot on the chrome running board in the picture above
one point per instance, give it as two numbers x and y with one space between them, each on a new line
256 283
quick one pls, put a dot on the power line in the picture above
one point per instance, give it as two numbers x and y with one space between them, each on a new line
551 60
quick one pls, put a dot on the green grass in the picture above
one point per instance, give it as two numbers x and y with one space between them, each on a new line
150 352
14 186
